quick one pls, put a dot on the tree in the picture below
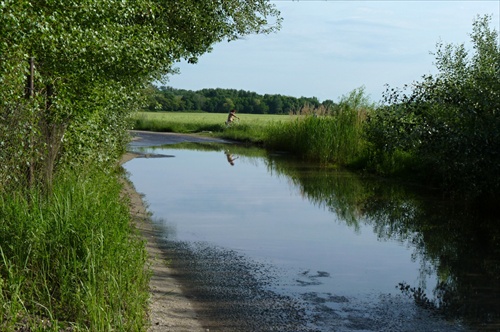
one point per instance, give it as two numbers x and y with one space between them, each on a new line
91 59
449 122
228 105
275 103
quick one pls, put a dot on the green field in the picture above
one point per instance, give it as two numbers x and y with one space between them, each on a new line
250 127
193 122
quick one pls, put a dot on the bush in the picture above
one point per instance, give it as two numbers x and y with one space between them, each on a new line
449 122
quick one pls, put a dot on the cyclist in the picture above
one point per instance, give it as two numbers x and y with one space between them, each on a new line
231 116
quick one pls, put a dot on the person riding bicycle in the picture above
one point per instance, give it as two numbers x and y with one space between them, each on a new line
231 116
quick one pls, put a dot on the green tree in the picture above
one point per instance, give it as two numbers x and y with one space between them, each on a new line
91 59
275 104
449 122
228 105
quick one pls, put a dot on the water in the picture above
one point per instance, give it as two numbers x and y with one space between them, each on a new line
328 237
265 217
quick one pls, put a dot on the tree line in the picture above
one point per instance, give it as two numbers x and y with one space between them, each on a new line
169 99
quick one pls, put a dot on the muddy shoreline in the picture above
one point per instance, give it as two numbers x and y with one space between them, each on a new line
169 307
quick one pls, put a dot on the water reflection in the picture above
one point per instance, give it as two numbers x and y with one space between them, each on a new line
230 157
458 245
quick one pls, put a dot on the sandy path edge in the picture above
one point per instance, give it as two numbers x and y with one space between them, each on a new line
169 308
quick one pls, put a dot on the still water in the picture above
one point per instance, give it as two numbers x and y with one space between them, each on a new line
377 250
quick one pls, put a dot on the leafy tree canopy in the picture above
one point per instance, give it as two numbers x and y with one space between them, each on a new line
91 58
126 39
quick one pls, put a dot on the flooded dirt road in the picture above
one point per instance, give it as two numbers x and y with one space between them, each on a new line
305 262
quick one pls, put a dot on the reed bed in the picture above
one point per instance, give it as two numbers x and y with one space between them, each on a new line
325 135
69 260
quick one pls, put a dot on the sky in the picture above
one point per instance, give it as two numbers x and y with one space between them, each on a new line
326 49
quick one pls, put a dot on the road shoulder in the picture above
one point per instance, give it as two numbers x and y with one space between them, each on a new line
169 308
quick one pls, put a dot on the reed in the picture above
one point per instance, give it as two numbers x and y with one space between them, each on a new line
70 260
327 135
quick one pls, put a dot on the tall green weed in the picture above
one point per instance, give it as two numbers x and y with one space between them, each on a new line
70 260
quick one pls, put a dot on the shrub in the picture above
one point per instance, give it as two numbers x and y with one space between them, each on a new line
449 122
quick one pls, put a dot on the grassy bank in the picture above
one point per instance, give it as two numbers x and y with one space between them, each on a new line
70 260
327 136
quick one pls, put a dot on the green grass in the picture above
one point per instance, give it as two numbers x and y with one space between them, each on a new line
329 138
71 260
250 127
185 122
332 135
335 138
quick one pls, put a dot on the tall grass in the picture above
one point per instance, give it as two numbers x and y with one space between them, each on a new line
327 135
70 260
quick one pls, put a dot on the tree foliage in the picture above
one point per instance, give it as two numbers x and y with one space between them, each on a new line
91 58
449 122
169 99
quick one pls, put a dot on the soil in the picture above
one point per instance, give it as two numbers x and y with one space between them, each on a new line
170 309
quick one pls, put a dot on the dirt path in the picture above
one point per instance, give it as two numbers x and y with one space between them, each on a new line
169 308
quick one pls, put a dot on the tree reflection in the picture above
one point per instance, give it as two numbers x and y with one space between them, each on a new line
457 242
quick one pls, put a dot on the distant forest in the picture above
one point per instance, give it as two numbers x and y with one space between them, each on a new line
168 99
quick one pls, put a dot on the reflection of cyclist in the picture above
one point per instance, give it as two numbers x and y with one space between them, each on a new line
231 116
230 158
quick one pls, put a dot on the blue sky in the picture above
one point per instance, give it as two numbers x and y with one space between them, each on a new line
326 49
